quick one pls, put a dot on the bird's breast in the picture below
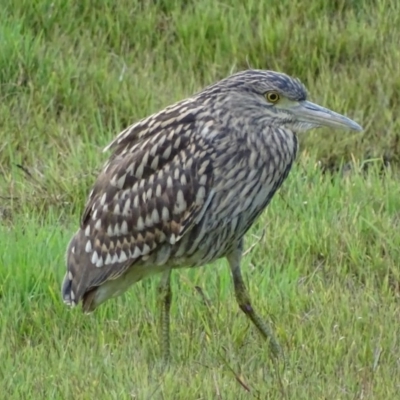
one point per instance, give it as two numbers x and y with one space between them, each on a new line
245 181
247 177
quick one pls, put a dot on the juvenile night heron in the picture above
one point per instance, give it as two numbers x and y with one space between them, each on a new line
183 186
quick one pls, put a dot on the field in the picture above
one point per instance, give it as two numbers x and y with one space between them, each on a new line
322 262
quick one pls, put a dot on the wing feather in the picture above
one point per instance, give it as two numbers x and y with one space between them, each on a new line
149 193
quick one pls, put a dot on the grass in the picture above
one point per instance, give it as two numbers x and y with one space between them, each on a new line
326 271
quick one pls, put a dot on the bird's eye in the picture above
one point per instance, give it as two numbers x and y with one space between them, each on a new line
272 97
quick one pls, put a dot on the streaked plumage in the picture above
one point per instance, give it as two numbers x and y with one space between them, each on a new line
183 186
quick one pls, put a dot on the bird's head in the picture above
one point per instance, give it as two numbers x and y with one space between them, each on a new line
282 101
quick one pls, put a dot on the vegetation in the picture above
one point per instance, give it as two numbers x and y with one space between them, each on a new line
322 262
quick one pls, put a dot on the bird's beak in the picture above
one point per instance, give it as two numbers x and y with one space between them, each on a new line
314 114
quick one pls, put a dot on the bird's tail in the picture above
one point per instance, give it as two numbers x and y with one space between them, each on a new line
67 288
79 285
76 280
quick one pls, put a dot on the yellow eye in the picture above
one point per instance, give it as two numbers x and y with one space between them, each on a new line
272 97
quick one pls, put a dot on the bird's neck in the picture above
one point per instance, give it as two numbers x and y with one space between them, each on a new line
273 146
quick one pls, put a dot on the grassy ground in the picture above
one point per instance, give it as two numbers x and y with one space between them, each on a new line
73 74
326 271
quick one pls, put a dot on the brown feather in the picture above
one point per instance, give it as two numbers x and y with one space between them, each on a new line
147 194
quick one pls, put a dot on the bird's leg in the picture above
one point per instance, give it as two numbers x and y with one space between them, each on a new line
165 297
243 299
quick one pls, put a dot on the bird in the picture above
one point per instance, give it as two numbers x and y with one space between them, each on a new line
183 186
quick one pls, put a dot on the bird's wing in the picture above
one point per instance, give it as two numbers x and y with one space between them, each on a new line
150 192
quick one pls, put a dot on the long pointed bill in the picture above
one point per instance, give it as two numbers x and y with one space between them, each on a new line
314 114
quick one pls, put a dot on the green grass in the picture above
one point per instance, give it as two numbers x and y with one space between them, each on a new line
325 271
73 74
